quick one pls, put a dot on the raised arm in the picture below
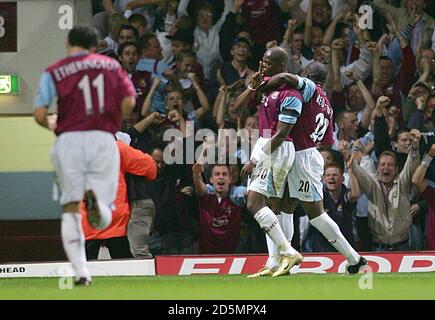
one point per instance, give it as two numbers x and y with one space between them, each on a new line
336 48
330 31
227 9
291 26
133 4
254 82
203 101
354 192
220 116
146 107
176 117
376 71
370 103
308 24
200 186
282 78
153 118
418 178
295 10
411 164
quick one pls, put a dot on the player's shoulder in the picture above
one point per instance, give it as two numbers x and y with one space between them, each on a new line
289 91
59 63
101 57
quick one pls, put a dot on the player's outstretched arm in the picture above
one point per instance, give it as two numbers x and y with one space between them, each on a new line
281 79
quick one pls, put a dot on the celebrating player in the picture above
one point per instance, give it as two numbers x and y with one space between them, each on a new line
313 126
93 93
273 154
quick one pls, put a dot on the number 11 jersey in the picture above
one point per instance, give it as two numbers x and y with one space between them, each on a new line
90 89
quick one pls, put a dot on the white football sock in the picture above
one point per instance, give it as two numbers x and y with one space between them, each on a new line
274 255
73 241
287 225
270 225
105 216
331 231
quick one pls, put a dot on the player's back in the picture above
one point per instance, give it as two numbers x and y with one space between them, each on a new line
315 124
90 89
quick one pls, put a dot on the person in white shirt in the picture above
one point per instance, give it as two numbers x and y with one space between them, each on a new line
206 34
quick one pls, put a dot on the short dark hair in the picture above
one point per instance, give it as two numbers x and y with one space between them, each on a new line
299 29
386 58
139 18
83 36
144 41
325 148
130 27
399 132
122 46
204 5
341 114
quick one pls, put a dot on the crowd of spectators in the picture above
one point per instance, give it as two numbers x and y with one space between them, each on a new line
190 59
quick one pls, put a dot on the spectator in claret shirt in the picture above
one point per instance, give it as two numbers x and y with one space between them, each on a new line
220 217
128 53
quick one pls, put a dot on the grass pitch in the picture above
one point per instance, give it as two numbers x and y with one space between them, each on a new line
230 287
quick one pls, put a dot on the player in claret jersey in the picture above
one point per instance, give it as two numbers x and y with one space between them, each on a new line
314 126
273 154
94 93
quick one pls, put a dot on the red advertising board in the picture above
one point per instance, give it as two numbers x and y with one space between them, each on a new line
313 263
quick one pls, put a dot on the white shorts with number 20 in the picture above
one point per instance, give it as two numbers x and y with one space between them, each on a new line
305 177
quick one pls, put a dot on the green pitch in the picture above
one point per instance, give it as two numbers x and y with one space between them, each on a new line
230 287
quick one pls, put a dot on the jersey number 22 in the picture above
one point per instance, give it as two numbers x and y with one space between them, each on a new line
322 126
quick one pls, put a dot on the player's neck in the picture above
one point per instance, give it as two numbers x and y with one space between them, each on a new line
75 50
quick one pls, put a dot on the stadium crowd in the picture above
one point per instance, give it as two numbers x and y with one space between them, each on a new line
190 59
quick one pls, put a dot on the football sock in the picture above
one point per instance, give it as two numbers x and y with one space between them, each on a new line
274 255
73 241
332 233
269 223
105 216
287 225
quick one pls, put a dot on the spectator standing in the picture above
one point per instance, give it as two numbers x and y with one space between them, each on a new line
427 189
114 237
389 197
220 217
